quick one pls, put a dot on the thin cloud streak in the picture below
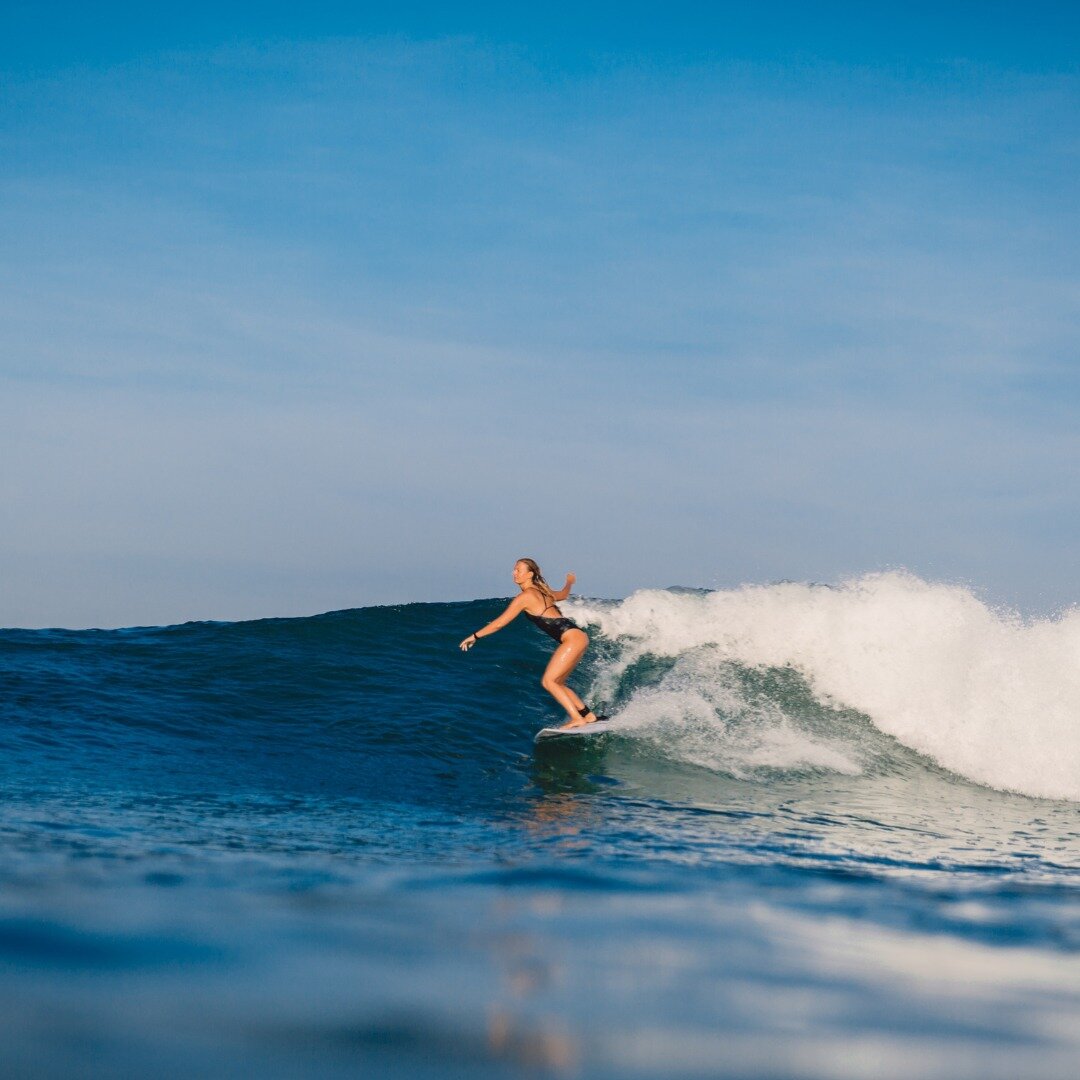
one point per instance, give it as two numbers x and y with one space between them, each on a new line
299 328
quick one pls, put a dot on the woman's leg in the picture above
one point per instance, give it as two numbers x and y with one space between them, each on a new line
562 662
578 703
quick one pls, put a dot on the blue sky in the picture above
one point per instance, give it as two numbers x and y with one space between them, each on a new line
308 311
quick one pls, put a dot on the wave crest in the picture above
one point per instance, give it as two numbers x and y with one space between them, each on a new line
986 695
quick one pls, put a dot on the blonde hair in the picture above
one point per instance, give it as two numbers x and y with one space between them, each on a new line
538 578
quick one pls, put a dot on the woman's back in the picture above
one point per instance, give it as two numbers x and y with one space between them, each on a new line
545 603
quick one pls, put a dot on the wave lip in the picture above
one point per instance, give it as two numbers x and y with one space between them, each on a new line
989 696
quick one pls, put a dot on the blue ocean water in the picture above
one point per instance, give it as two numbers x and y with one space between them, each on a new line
839 836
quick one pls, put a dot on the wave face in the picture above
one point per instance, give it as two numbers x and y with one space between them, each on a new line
786 676
374 702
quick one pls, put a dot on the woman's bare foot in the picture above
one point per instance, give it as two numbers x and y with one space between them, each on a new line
580 721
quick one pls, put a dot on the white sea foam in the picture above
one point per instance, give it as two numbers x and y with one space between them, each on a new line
699 714
987 695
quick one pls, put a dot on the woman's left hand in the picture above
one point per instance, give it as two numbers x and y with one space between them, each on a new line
468 643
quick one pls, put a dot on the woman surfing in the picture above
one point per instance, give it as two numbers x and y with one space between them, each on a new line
537 600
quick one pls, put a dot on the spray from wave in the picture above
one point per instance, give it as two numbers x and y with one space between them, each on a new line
989 696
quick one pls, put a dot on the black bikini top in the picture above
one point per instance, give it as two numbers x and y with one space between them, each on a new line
543 614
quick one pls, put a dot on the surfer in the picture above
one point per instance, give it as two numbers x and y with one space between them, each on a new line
536 600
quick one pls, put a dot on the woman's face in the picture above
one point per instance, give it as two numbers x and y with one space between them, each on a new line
521 573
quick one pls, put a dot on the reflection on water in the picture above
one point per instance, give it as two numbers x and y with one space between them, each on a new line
703 929
526 974
617 973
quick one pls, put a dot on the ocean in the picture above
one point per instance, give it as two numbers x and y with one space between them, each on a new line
837 836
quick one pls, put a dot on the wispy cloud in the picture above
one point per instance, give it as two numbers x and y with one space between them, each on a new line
408 306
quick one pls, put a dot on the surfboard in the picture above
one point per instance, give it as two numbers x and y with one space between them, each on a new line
597 727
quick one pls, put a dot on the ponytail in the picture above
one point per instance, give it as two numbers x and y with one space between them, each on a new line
538 578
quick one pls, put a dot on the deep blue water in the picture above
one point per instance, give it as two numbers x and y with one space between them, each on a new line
328 845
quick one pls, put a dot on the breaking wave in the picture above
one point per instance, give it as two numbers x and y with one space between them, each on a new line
849 678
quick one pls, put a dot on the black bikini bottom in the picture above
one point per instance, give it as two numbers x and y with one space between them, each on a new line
557 627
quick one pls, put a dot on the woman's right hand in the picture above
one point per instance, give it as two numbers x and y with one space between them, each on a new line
468 643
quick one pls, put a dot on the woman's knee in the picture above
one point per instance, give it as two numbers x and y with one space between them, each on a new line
549 683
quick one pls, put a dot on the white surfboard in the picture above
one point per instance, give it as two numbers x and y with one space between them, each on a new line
597 727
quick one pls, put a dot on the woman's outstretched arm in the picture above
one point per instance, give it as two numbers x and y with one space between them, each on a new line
513 609
564 592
